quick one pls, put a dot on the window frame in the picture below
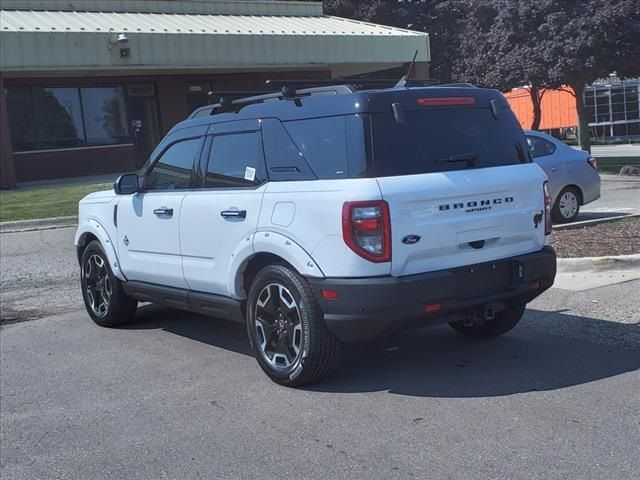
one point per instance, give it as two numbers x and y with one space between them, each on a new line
194 176
223 131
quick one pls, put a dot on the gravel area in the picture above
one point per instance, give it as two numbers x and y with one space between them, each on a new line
614 238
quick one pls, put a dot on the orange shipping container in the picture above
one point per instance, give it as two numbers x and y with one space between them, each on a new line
558 108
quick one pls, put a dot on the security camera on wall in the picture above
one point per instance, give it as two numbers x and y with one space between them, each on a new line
120 39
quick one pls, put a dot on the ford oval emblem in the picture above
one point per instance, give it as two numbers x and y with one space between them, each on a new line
411 239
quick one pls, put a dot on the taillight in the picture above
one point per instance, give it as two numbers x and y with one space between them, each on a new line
593 162
547 209
366 229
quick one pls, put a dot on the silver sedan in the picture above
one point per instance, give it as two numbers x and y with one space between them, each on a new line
573 174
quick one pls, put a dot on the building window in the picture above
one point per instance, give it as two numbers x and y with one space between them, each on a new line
632 102
104 115
66 117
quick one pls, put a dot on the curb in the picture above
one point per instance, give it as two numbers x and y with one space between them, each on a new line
598 264
38 224
595 221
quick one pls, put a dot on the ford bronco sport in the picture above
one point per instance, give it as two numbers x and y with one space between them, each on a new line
326 215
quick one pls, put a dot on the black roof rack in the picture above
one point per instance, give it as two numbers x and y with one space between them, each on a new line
293 89
354 81
233 101
236 93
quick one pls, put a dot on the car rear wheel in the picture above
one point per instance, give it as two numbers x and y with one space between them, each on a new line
104 298
503 321
567 206
286 328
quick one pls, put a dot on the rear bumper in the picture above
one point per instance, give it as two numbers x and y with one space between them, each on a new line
591 188
366 308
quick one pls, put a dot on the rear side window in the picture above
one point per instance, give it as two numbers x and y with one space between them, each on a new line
173 170
235 160
323 142
284 159
445 139
540 147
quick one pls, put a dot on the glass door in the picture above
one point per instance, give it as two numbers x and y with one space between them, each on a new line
143 120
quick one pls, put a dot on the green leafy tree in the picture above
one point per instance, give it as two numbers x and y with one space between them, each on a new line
540 44
442 19
585 40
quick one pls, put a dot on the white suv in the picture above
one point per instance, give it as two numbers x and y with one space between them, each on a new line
324 216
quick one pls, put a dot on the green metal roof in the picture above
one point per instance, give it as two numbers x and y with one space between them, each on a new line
210 7
289 34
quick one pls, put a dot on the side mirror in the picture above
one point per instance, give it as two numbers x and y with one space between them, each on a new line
126 184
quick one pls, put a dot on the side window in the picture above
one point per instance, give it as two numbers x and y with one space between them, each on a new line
173 170
284 160
235 160
540 147
323 142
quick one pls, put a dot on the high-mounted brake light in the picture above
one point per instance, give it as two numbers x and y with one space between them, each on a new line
442 101
548 225
366 229
593 162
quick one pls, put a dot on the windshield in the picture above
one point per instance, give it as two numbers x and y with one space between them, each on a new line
439 140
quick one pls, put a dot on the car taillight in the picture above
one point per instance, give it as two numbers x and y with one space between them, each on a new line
547 209
366 229
593 162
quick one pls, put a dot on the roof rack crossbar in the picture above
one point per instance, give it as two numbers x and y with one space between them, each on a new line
373 82
233 101
292 89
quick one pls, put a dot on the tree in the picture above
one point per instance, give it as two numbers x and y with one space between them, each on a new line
585 40
541 44
500 49
440 18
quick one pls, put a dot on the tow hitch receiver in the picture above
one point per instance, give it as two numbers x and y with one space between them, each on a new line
477 316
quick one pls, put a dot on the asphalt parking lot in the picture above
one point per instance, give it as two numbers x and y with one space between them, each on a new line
176 395
620 195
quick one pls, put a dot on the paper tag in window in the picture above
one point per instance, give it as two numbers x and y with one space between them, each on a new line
250 174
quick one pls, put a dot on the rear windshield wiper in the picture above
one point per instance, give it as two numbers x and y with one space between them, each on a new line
470 158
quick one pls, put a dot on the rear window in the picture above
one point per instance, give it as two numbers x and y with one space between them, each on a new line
439 140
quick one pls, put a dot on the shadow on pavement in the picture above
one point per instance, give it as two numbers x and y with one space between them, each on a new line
582 216
437 362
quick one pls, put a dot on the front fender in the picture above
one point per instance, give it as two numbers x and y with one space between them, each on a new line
91 226
276 244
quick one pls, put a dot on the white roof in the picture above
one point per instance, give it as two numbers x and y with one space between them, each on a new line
44 21
36 40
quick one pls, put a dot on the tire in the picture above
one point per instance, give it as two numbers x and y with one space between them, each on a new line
104 298
504 321
286 328
567 206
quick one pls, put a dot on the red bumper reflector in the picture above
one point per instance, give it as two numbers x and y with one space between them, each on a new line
441 101
534 285
433 307
329 294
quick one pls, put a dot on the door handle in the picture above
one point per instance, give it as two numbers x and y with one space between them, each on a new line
163 211
234 213
554 169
